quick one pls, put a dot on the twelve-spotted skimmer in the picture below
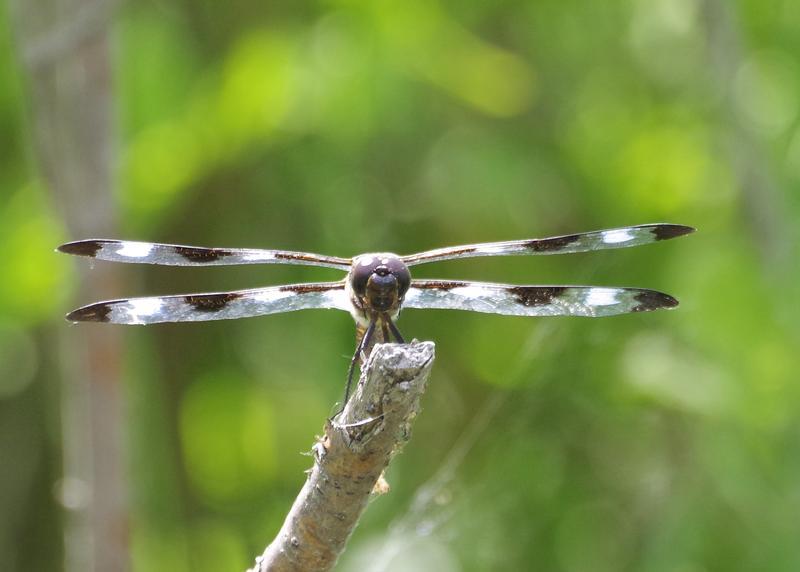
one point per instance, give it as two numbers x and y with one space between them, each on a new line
377 285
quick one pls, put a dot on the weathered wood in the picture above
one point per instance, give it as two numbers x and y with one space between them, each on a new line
350 458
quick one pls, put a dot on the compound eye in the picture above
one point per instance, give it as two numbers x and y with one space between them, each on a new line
360 274
400 271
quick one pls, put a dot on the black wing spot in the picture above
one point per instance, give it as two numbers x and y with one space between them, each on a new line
652 300
667 231
552 244
536 295
93 313
81 248
202 255
210 302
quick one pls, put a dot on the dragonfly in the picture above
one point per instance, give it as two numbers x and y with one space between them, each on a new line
377 285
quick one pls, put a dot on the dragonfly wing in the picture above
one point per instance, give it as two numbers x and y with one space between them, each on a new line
510 300
215 306
581 242
177 255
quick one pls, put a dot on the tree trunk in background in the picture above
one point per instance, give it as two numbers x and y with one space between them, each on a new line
64 47
764 206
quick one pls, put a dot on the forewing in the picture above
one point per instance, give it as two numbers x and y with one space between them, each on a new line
177 255
506 299
581 242
215 306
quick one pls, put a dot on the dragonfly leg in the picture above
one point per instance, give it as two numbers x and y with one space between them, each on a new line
365 340
398 336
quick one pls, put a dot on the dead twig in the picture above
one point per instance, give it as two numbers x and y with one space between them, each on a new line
350 458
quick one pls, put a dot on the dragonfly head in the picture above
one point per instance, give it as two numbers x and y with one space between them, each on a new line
379 281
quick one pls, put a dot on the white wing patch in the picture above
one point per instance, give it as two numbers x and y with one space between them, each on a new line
270 295
141 308
135 249
494 249
258 256
617 236
470 291
601 297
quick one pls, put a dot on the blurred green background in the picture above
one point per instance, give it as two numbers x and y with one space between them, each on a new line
665 442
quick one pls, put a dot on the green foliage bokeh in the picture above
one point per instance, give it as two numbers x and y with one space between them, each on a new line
663 442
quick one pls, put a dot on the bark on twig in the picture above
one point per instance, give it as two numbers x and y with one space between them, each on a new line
350 458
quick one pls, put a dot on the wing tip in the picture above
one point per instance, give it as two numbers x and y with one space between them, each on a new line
98 312
666 231
650 300
81 247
